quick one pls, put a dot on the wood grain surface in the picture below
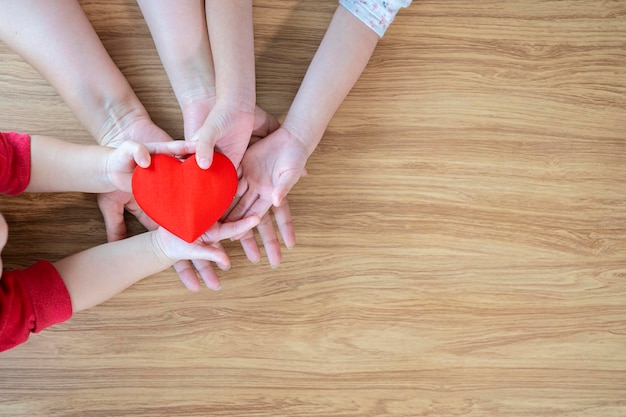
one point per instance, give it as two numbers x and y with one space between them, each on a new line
461 236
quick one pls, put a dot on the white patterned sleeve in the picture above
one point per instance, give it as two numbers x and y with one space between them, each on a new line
376 14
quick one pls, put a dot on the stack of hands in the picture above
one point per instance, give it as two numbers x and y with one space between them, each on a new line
207 50
252 203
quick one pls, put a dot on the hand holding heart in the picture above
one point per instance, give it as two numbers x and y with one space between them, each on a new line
206 246
121 163
183 198
178 196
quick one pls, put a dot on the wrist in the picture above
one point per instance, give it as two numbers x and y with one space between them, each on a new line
299 131
104 172
158 248
118 114
191 96
242 100
103 166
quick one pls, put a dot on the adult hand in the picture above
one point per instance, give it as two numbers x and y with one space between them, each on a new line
227 129
196 113
270 168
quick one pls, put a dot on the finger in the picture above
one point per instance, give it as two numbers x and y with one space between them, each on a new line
187 275
282 215
251 249
233 204
209 252
141 155
223 231
222 266
270 241
134 151
242 187
259 208
285 183
204 155
113 215
172 147
208 274
245 202
242 236
206 137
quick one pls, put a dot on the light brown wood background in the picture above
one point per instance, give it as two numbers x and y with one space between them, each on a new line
461 234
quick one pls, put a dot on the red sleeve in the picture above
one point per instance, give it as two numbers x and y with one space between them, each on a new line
31 300
14 162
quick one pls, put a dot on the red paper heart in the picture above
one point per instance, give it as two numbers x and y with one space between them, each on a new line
182 197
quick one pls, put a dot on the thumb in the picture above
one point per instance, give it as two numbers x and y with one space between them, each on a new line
283 185
204 154
139 153
209 253
206 137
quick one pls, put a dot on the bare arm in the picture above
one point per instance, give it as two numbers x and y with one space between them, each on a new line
343 54
232 41
181 37
58 166
57 39
99 273
230 124
338 63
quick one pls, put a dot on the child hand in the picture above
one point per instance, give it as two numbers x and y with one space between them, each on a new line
207 246
121 162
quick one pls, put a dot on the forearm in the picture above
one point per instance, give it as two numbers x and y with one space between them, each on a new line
340 59
61 166
232 42
180 34
97 274
56 38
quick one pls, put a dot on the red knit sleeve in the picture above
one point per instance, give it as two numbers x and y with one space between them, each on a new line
14 162
31 300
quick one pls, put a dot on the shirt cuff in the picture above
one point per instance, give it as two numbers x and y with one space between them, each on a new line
49 296
364 15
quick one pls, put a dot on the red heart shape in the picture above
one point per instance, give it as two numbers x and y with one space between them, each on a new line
183 198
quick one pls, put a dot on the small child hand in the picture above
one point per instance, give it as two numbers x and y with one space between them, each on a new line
121 162
207 246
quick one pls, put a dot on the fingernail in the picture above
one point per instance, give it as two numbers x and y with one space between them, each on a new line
218 288
203 163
